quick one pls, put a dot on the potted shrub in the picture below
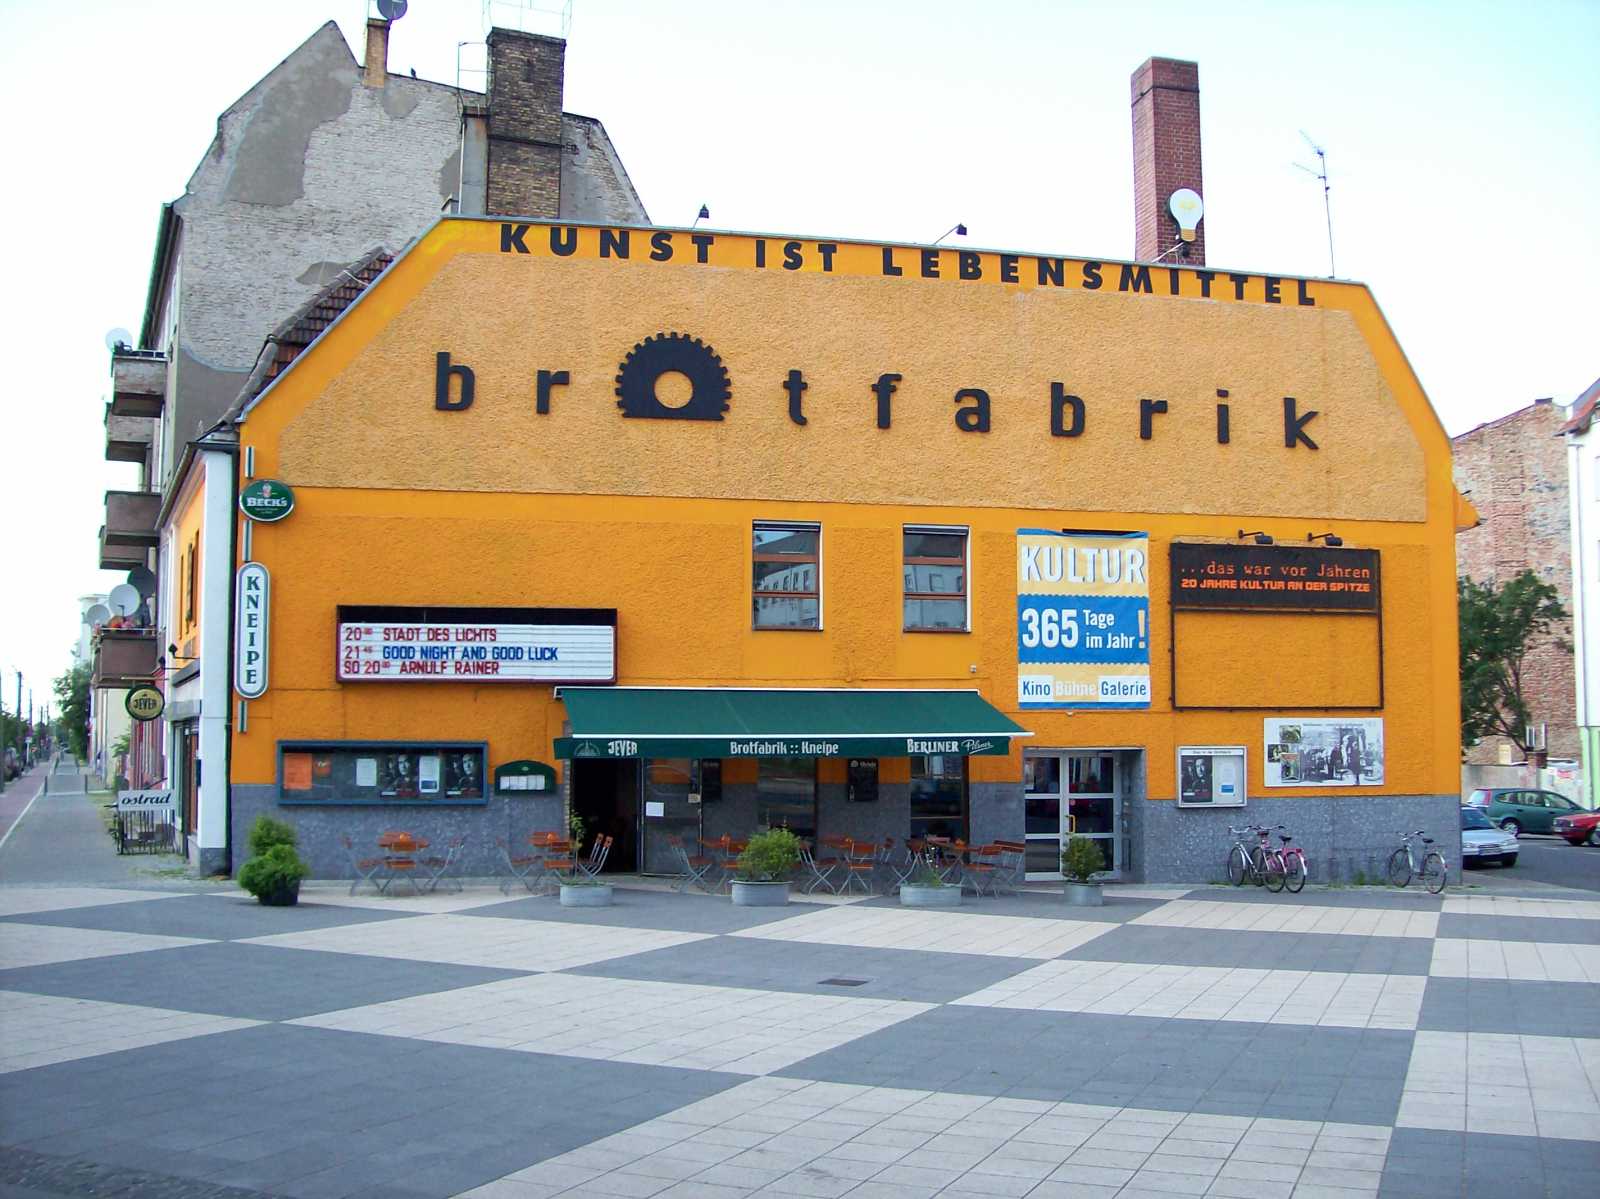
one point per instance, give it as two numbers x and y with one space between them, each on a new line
925 889
762 879
274 870
1080 862
581 891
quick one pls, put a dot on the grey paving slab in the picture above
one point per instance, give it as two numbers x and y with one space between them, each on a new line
805 967
1221 1067
213 917
1546 1009
1521 928
251 982
656 909
311 1112
1165 945
25 1175
1392 899
1427 1164
1046 905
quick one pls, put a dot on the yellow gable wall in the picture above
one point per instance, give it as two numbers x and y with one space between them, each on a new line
399 503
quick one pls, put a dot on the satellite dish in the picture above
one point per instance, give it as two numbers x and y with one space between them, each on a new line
119 338
144 579
392 10
97 615
125 599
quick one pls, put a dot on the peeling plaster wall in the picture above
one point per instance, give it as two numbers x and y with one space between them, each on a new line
309 170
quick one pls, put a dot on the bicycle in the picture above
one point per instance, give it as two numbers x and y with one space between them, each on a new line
1294 863
1260 863
1403 865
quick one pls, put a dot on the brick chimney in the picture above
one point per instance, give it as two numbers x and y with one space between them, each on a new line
525 145
1166 155
375 70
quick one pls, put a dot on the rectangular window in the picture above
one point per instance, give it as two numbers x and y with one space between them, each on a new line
787 576
191 581
939 796
935 579
786 795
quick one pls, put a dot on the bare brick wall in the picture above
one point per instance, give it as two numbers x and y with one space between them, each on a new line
526 72
1166 154
1514 470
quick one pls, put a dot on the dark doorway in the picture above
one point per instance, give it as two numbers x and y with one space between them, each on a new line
605 794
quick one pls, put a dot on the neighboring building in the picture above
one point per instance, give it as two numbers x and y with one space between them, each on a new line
320 161
1514 470
1582 439
109 721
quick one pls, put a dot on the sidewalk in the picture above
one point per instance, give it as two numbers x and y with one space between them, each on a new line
62 840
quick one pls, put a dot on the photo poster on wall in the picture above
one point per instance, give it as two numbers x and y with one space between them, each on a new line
1211 776
1083 619
1323 753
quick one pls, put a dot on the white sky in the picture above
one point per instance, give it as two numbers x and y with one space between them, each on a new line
1463 141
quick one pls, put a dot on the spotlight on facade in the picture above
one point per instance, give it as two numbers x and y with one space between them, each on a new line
705 215
1326 538
959 229
1260 537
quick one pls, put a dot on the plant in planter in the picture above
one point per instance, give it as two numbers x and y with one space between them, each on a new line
1081 860
274 870
581 891
926 889
762 878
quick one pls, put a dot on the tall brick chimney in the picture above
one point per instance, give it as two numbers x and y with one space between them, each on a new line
375 70
525 147
1166 155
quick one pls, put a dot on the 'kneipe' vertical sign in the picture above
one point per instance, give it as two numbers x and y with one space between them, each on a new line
1083 620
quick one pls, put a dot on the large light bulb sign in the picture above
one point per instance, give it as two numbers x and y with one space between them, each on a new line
1187 209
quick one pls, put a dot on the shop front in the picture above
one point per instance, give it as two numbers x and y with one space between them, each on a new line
688 533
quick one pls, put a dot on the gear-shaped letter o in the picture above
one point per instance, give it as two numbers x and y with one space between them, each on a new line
664 353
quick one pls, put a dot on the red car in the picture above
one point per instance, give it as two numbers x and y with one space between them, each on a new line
1578 828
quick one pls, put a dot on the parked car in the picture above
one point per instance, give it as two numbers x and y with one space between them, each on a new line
1482 842
1578 828
1521 810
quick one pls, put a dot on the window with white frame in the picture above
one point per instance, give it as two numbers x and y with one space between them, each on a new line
786 574
935 566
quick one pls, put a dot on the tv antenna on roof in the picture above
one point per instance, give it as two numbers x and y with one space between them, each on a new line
1320 173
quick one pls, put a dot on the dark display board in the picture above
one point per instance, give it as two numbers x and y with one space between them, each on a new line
863 786
383 772
1274 578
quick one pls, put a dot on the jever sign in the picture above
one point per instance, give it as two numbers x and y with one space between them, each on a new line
251 609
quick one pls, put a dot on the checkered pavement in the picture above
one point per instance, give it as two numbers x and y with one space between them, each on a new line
1175 1042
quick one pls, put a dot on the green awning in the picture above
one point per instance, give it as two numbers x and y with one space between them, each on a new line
731 722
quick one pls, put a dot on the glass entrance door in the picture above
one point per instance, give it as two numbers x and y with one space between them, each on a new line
1066 794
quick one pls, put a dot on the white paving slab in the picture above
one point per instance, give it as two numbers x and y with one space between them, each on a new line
736 1029
1323 998
790 1137
1533 961
40 944
484 941
400 898
22 901
939 932
1291 917
1497 905
1503 1082
41 1030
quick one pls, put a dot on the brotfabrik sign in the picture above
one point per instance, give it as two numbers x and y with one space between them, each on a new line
685 363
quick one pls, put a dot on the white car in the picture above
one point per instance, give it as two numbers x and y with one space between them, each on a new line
1481 841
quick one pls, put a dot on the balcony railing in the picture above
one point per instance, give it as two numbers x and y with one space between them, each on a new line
128 438
138 383
131 518
114 556
124 657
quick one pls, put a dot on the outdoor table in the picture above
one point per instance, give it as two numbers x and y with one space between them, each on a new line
399 858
